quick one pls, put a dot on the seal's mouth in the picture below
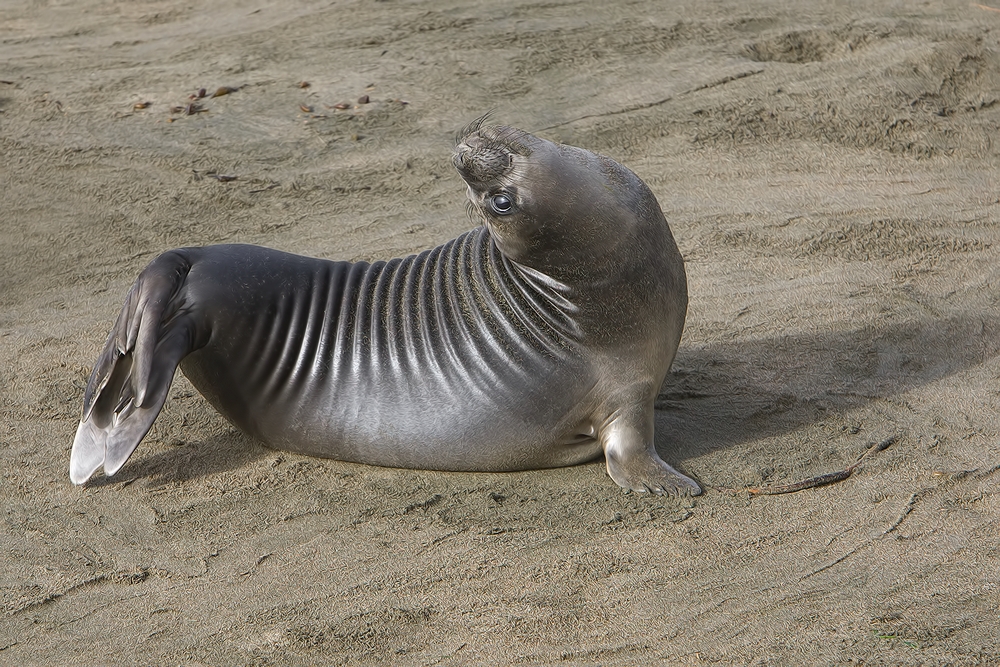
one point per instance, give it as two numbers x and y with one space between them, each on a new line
485 155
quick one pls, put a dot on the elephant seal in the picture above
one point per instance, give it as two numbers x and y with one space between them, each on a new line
537 340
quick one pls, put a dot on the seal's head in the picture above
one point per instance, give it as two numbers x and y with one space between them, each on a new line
559 209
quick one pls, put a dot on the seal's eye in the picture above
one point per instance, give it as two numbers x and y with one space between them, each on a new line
501 204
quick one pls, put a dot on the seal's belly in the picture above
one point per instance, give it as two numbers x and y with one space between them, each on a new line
429 362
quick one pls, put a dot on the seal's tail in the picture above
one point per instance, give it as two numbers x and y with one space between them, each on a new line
131 378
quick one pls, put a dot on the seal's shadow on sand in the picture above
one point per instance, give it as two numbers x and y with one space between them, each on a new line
726 394
188 461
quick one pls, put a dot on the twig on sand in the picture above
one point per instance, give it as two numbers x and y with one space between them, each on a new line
986 7
813 482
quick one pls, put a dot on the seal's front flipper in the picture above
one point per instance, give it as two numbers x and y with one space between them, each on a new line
133 374
633 462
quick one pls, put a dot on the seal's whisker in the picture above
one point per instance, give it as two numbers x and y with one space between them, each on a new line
473 127
508 134
509 139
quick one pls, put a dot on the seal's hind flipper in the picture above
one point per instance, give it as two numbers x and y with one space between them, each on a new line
133 374
115 427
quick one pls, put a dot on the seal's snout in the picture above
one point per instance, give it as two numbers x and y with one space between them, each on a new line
486 154
481 162
463 157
